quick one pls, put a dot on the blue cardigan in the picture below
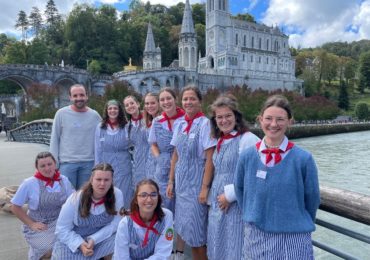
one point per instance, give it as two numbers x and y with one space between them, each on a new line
286 200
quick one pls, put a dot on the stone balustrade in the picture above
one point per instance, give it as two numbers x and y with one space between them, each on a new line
37 131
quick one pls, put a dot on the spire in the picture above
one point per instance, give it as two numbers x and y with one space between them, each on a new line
149 44
187 20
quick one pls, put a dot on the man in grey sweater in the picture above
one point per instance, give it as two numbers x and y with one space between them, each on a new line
72 137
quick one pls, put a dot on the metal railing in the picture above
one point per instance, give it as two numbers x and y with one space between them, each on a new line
37 131
349 205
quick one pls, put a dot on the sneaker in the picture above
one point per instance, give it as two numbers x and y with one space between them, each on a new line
179 256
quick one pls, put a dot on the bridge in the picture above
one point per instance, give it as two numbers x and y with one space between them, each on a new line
61 78
17 158
153 80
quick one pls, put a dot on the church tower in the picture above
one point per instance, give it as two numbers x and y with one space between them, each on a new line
152 56
188 47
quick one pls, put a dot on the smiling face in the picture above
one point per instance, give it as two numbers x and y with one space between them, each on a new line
151 105
46 166
225 119
167 103
78 97
190 103
131 106
146 200
274 123
112 111
101 181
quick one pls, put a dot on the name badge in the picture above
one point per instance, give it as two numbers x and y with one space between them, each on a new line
102 139
192 136
261 174
133 246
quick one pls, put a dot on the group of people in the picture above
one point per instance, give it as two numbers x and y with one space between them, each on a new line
208 182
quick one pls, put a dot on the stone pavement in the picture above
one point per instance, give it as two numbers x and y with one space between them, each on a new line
16 164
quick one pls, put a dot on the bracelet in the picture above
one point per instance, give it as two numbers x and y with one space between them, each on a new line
170 182
206 185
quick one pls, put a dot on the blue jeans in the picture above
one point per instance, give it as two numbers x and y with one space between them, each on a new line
78 173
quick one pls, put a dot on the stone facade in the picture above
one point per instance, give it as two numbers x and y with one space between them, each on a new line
237 53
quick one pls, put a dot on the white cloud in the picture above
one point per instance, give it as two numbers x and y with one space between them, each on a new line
252 5
312 23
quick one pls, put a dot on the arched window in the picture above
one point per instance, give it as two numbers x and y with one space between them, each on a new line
267 44
236 39
245 41
252 43
259 43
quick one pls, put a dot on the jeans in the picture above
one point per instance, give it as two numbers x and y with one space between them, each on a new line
78 173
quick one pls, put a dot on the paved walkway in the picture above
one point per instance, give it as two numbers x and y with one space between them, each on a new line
16 164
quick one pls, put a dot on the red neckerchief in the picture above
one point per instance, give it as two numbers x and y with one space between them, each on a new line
179 113
112 124
225 137
49 181
276 151
138 118
135 216
190 121
100 202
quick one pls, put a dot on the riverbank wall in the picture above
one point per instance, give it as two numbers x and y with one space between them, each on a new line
309 130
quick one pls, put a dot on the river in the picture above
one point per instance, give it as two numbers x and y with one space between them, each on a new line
344 162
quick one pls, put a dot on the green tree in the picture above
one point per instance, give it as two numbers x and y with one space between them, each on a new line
245 17
362 111
343 99
364 71
37 52
35 21
16 53
51 13
94 67
22 24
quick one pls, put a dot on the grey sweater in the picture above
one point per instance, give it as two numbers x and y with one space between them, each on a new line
72 136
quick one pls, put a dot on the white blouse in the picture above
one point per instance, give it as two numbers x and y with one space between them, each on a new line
163 247
68 220
29 191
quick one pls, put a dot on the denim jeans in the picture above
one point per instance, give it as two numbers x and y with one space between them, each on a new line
78 172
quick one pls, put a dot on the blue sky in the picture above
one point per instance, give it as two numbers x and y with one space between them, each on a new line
309 23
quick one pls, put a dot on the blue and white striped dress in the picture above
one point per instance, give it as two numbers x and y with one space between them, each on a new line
86 227
163 138
48 210
139 138
113 147
136 249
225 230
151 162
190 215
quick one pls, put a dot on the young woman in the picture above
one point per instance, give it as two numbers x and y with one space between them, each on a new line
44 192
137 135
151 110
112 146
225 225
191 172
147 232
277 189
160 138
89 219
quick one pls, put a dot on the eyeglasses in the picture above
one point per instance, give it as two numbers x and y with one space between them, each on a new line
278 120
145 195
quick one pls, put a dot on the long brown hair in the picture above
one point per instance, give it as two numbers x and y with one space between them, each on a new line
87 192
230 102
134 204
148 118
128 116
121 119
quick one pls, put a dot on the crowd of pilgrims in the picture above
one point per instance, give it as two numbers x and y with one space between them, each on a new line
208 183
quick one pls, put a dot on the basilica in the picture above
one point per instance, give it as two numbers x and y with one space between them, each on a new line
237 53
